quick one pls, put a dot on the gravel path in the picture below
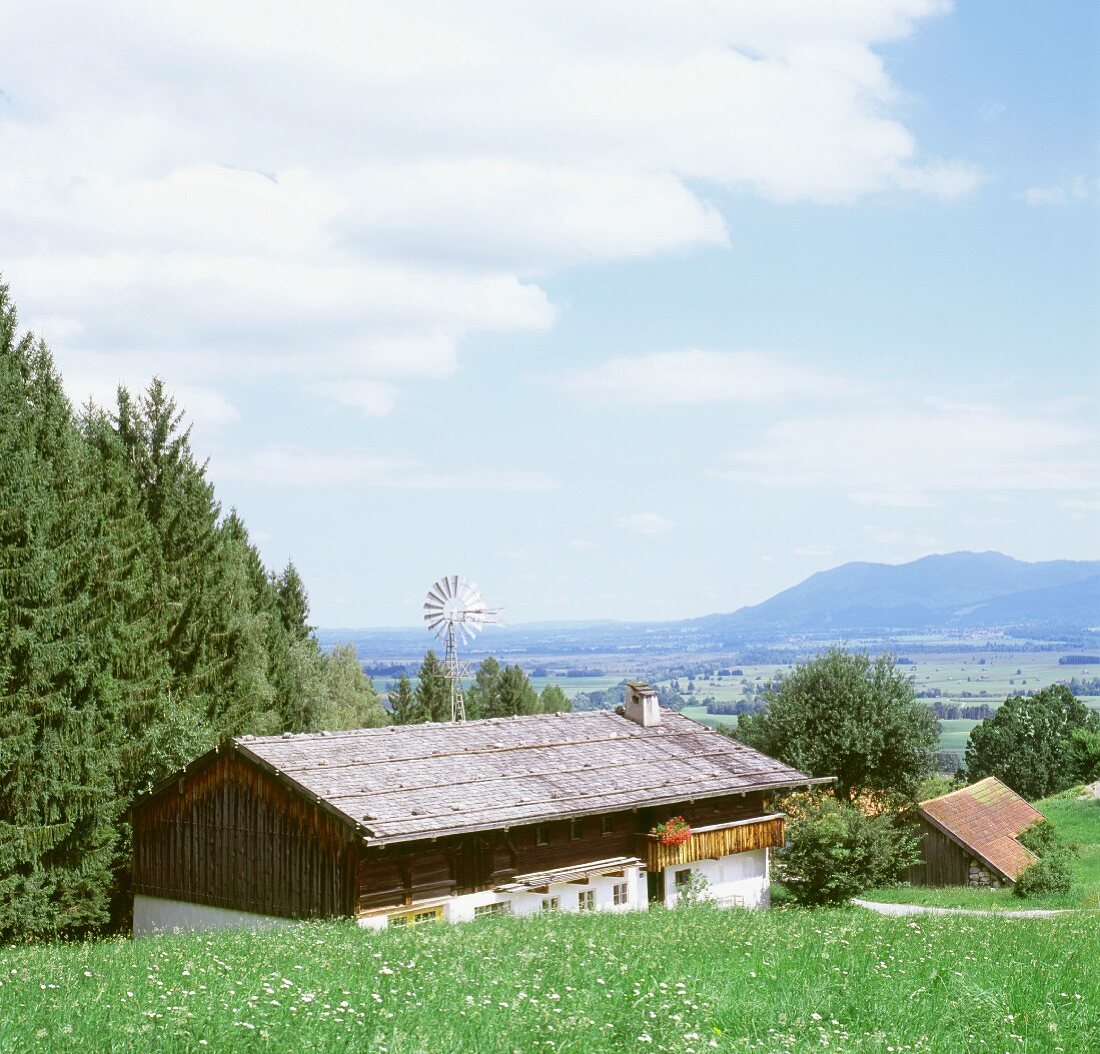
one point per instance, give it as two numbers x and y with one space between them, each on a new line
920 909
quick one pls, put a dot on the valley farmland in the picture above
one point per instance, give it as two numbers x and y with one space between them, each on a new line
963 678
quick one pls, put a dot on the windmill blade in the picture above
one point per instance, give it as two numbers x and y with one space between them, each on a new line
470 595
435 595
454 585
432 606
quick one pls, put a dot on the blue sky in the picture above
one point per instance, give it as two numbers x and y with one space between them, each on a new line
628 312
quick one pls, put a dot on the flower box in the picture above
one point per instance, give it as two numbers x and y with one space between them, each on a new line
674 831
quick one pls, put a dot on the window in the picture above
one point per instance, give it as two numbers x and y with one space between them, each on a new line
416 918
575 829
550 904
501 907
683 877
621 893
607 825
542 835
587 900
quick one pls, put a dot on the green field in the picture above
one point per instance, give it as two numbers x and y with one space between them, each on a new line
997 675
572 685
1076 819
691 981
954 734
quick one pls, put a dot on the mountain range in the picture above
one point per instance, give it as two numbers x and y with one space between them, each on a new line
960 590
963 591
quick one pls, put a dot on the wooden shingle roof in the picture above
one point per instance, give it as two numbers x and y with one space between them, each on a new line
409 782
985 819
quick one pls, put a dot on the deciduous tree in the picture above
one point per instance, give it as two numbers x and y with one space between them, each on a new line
350 699
843 715
1029 743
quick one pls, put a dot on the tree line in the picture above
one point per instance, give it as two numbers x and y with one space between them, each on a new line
496 691
138 628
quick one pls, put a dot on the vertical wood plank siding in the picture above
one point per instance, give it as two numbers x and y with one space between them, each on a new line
942 862
709 845
233 837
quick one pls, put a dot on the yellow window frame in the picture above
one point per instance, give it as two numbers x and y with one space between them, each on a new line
416 917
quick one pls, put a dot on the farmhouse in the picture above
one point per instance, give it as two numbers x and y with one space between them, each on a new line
969 837
420 823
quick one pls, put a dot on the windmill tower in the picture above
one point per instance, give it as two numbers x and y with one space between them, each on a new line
455 610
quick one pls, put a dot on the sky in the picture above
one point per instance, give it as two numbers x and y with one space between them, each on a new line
623 310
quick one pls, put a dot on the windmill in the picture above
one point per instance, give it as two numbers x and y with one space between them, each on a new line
455 610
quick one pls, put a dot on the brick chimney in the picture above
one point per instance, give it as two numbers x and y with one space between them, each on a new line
641 704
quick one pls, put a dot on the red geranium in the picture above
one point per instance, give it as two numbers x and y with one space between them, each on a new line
674 831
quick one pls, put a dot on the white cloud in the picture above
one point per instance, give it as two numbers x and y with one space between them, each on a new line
339 193
1073 190
646 523
681 378
284 467
912 456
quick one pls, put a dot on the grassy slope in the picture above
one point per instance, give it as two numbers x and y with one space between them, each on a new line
1077 820
694 980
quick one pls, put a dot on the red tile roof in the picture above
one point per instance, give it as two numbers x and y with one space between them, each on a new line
985 819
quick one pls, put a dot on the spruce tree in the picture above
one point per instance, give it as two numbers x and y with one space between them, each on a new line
59 809
482 698
433 690
404 708
297 670
516 696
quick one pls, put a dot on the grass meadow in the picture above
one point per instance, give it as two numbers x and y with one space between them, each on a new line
691 980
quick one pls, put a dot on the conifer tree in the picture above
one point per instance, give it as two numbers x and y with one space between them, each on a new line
515 696
433 690
298 675
482 698
404 708
58 809
137 628
293 603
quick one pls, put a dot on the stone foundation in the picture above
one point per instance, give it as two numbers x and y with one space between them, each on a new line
980 877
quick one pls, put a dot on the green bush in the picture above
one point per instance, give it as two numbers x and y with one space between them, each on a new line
1043 839
1049 874
835 852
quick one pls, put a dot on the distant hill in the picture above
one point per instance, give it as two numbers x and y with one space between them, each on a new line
955 591
964 590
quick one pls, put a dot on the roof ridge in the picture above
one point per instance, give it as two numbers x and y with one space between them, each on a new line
423 725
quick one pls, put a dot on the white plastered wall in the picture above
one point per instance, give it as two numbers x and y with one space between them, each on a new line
461 909
156 915
737 878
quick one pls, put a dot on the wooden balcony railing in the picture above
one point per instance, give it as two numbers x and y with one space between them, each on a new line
710 843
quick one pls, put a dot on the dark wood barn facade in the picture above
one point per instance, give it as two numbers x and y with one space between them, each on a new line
420 822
